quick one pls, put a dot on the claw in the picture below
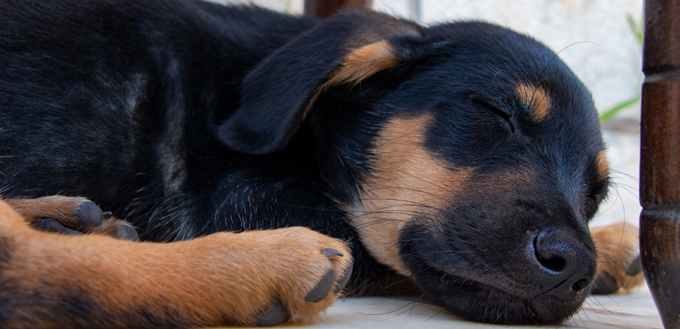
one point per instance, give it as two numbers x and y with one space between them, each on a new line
331 252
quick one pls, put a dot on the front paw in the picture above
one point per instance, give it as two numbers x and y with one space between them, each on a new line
297 274
72 216
618 261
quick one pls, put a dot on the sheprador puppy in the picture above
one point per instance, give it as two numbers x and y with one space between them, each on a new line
461 160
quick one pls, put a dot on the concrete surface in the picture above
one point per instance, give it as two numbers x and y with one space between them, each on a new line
636 310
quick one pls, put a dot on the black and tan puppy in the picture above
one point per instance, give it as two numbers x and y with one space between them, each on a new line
464 156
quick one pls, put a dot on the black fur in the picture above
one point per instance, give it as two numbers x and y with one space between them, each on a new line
188 118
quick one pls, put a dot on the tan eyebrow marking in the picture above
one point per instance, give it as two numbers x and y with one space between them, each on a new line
535 98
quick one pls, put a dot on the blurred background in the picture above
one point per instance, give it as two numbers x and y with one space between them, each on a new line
599 39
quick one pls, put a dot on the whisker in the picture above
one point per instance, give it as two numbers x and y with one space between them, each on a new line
433 184
418 204
419 191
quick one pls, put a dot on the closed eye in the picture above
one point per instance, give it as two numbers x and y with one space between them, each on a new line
488 106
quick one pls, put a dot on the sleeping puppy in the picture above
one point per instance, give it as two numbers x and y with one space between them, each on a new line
464 157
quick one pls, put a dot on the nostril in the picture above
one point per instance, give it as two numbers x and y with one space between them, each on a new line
555 264
562 267
548 260
580 285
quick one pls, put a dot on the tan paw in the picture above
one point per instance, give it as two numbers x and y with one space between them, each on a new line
287 275
71 215
618 260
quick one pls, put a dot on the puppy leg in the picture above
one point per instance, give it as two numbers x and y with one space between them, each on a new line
94 281
71 215
618 260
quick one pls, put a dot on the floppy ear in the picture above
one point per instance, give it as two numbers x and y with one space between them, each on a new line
278 93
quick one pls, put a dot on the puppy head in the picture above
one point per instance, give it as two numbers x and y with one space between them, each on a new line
467 157
483 177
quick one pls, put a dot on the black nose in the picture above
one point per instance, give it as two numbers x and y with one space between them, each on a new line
562 266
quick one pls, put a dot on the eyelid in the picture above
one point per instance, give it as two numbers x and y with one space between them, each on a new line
489 105
497 110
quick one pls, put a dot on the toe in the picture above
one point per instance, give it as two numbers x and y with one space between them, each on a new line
635 267
275 314
344 278
89 214
605 285
322 288
126 232
51 225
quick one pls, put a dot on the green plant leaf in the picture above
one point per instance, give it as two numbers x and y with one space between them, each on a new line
608 114
636 28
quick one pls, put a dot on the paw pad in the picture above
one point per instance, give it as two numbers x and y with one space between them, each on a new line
344 278
321 290
126 232
635 267
51 225
89 215
275 314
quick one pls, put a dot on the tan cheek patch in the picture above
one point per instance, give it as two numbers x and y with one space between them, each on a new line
535 98
406 181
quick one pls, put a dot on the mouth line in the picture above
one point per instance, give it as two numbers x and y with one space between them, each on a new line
461 293
468 279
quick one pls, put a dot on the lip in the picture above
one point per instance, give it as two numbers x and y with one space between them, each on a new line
477 300
484 277
483 281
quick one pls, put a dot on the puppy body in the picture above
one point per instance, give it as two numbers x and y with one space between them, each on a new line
139 113
464 156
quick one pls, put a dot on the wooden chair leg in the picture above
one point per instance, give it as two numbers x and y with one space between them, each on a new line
660 157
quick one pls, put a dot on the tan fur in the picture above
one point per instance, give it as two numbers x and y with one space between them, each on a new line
535 98
358 65
617 245
363 63
224 277
60 208
601 165
63 210
110 226
407 180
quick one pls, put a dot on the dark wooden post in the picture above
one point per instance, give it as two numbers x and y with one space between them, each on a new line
325 8
660 157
